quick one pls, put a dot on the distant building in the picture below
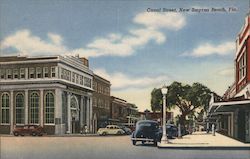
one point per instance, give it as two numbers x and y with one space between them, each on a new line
101 102
118 110
121 112
232 113
157 116
54 92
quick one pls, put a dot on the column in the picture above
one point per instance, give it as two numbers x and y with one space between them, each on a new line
58 111
87 112
91 115
81 112
41 107
26 106
11 111
69 113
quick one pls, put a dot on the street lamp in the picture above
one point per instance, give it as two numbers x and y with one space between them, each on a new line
164 91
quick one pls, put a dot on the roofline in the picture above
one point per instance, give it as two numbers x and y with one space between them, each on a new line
105 80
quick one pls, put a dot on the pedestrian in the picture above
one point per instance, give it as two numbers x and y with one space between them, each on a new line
86 130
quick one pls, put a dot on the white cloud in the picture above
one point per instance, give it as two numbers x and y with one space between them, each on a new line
26 43
148 29
157 20
207 49
228 72
55 38
122 81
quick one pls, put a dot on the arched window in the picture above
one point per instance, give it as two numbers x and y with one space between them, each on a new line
19 109
49 108
34 108
5 109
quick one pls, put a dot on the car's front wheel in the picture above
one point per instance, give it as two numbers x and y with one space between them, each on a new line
134 142
104 133
155 142
16 133
33 134
119 133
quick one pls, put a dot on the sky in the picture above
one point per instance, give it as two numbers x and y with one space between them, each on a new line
137 45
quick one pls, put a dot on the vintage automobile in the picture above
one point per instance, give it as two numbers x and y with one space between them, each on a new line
172 130
146 131
110 130
33 130
126 130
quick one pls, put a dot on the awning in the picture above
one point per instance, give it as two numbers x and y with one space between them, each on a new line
229 106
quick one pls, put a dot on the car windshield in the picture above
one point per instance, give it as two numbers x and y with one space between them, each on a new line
151 125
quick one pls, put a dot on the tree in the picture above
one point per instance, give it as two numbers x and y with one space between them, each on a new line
187 98
156 100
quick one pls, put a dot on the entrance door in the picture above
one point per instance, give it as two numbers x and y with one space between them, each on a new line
241 125
75 116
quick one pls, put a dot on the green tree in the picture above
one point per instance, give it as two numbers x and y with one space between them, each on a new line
187 98
156 100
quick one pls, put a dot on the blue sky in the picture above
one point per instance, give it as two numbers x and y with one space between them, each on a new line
136 50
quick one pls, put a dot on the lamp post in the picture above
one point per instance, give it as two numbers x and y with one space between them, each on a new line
164 91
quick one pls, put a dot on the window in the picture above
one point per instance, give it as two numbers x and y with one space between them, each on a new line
19 109
31 73
63 73
34 108
53 72
77 78
242 66
81 80
45 72
49 108
2 73
87 82
9 73
22 73
95 86
99 103
94 102
38 72
5 109
68 75
73 77
107 104
15 73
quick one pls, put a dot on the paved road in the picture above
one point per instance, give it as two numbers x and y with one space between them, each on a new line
108 147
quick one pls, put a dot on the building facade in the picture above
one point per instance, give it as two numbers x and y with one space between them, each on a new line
54 92
118 110
101 102
232 113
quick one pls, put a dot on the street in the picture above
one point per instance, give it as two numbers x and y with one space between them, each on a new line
95 147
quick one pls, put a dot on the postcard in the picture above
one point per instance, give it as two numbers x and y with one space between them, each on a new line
124 79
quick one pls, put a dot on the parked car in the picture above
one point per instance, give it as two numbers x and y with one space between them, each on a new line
110 130
126 130
146 131
172 130
33 130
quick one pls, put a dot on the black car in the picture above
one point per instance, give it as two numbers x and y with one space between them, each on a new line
172 130
146 131
126 129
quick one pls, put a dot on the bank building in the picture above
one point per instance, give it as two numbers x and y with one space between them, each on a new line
54 92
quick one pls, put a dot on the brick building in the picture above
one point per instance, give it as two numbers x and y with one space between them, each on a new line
232 113
101 102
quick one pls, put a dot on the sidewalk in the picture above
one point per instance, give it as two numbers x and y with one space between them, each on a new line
202 140
62 135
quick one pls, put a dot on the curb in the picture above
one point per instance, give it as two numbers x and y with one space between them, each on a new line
191 147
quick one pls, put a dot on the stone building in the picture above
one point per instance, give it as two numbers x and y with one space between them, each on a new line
101 102
54 92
